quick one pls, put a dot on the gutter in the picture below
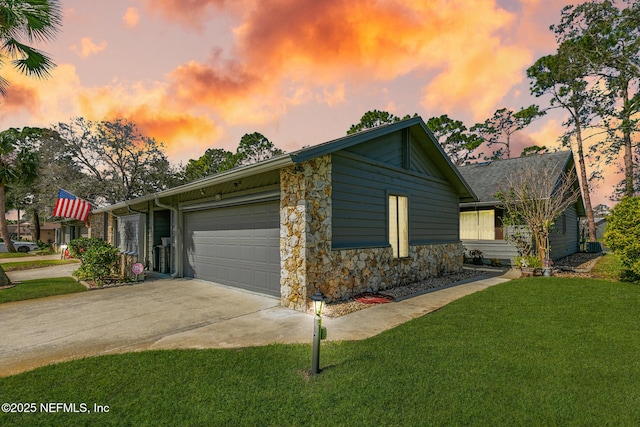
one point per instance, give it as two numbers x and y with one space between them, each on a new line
233 174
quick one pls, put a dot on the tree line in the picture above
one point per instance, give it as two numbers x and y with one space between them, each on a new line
594 76
104 162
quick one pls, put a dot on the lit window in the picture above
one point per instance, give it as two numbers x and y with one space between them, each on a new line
399 225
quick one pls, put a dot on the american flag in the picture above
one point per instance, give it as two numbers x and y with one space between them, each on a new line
70 206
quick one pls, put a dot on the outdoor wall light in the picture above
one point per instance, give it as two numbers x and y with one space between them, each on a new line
319 333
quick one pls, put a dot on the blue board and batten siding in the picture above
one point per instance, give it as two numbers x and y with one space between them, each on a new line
364 176
564 237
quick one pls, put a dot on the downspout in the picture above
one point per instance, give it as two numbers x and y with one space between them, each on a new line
178 236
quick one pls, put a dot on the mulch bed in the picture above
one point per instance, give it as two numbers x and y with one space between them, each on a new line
356 303
576 265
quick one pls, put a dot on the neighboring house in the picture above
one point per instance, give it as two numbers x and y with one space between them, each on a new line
27 231
70 229
601 227
24 233
481 222
374 209
48 232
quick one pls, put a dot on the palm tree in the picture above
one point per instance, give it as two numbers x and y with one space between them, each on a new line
18 163
27 21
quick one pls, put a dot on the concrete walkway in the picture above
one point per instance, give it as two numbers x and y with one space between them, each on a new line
184 313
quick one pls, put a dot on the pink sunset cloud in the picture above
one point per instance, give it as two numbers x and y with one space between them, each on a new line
131 17
201 73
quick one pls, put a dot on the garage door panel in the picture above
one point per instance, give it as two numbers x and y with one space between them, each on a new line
237 246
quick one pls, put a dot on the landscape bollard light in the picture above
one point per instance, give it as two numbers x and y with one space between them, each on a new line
319 333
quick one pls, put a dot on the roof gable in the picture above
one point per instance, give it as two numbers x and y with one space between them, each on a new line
384 143
486 178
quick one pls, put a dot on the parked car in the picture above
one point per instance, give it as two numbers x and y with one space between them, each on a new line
20 246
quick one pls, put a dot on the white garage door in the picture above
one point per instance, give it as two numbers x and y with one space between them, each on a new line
236 245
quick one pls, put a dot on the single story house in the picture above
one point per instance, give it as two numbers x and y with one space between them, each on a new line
368 211
68 230
22 233
481 224
27 231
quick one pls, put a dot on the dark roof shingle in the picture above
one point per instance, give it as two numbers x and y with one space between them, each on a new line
486 178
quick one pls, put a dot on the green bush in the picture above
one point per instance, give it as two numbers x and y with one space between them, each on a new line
45 247
99 258
623 236
77 247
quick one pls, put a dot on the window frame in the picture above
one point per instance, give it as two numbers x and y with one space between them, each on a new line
400 244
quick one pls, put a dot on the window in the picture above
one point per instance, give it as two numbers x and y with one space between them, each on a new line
399 225
477 225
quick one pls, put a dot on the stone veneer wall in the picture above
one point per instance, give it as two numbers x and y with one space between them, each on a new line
308 262
305 229
96 226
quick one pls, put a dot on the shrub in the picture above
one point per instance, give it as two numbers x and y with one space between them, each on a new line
45 247
99 258
477 256
77 247
623 236
495 262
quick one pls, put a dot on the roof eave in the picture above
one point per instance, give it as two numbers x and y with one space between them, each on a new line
230 175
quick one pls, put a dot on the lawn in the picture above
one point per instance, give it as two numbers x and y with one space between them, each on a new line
36 263
15 255
40 288
536 351
608 267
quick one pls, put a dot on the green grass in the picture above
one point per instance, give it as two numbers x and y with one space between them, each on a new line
536 351
608 267
14 255
40 288
35 263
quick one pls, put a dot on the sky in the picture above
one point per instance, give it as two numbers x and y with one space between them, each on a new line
198 74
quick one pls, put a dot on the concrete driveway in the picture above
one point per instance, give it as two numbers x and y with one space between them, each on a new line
129 318
182 313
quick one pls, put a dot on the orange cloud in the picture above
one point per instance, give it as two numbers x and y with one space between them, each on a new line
33 102
327 44
88 47
19 98
131 17
46 100
184 133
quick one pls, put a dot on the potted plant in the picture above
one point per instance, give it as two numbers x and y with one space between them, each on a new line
529 265
547 263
